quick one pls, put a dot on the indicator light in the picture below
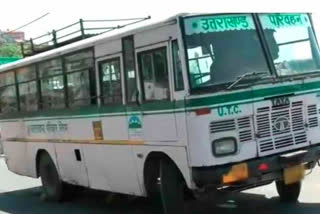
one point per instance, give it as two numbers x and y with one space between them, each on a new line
202 111
263 167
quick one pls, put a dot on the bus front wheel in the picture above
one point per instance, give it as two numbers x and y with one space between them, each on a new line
171 188
51 183
288 193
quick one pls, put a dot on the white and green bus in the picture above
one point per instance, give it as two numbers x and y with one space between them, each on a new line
195 103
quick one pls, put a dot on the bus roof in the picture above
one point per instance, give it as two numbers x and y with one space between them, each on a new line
86 43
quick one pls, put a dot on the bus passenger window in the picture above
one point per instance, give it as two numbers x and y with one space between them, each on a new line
28 93
177 69
154 73
8 95
78 67
129 68
111 81
52 84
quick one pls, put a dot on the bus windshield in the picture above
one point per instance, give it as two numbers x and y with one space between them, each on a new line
222 48
292 42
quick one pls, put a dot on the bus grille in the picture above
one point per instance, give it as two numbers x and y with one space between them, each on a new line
280 128
243 125
312 116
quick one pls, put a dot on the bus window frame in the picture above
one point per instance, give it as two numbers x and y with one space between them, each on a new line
267 48
111 57
173 60
36 80
50 76
124 66
92 77
152 48
15 84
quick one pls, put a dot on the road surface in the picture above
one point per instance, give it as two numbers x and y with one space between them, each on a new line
21 195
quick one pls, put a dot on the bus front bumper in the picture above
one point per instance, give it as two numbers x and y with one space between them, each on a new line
257 171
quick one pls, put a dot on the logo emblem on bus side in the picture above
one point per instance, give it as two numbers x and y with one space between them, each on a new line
281 123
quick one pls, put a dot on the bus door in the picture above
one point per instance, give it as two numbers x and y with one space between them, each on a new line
157 119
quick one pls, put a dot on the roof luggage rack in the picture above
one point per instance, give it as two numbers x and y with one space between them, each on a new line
72 33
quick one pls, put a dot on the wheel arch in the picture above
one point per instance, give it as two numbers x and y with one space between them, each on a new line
158 155
40 152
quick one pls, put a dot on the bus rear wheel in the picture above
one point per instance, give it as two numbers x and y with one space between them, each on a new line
51 183
288 193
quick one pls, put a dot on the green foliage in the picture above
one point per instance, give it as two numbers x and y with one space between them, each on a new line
10 50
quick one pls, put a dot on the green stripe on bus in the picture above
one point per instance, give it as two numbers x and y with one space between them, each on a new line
167 107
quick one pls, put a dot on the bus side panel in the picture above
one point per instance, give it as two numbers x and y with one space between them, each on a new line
155 35
114 128
15 153
32 150
160 128
71 163
107 48
204 130
177 154
112 168
70 156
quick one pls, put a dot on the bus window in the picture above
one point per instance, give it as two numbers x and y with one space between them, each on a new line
111 81
52 84
291 42
220 49
28 95
8 94
78 67
177 70
129 68
154 73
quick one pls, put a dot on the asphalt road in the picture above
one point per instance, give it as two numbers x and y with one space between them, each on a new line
21 195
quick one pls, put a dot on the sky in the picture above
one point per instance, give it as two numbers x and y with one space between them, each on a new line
15 13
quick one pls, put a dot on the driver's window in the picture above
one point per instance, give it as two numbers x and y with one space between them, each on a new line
154 74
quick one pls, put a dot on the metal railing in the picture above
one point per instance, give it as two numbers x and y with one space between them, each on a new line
74 32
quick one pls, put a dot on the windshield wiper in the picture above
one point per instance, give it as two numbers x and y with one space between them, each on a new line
249 74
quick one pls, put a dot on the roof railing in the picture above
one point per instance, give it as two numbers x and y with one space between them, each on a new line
72 33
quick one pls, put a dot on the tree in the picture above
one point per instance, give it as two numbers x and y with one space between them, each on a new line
10 50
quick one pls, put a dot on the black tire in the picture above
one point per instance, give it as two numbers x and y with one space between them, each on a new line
152 183
288 193
171 188
51 183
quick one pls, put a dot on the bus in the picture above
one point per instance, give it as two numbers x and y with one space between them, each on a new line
193 104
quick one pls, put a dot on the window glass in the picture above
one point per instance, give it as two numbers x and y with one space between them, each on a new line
129 68
292 42
154 70
8 94
79 88
111 81
52 90
7 78
78 67
8 99
28 96
79 61
26 73
177 69
221 48
50 68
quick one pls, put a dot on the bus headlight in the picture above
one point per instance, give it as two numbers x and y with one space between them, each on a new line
224 146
